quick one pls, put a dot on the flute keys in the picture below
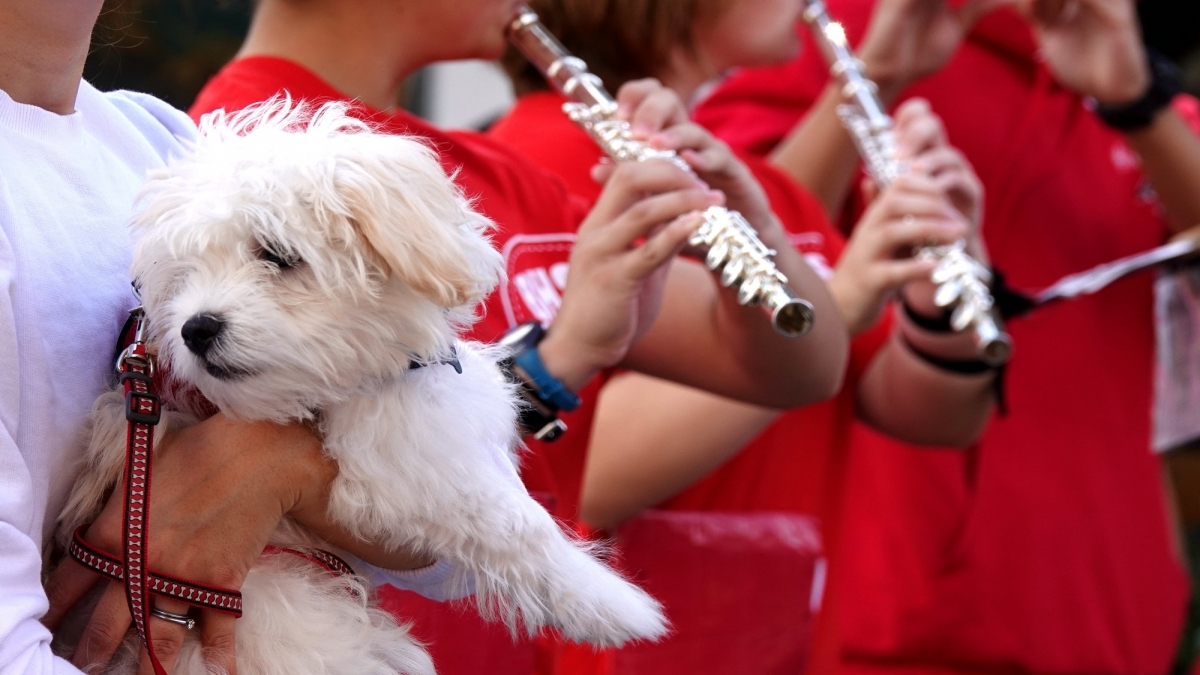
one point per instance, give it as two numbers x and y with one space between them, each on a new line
706 234
717 255
947 293
732 272
750 290
963 315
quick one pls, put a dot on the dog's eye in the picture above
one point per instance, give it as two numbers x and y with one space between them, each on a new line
271 254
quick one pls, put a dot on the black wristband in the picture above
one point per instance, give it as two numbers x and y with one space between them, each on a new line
1165 84
971 367
937 324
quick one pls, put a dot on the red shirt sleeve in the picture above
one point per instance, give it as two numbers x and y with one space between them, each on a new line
537 127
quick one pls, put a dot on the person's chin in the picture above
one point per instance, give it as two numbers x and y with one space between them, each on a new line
781 52
490 49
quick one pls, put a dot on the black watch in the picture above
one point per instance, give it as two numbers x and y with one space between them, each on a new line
1165 84
538 417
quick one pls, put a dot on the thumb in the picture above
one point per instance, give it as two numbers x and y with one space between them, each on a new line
870 189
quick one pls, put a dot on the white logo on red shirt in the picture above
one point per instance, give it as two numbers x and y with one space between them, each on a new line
536 266
1123 158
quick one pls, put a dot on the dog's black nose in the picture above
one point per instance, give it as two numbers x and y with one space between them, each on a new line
200 332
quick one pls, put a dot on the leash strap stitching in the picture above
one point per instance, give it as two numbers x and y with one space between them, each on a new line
198 595
143 410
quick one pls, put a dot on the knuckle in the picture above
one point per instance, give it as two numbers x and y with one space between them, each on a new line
219 644
640 211
101 639
166 642
56 588
622 176
650 255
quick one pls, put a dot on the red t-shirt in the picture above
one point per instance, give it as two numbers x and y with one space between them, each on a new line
1047 549
797 464
536 219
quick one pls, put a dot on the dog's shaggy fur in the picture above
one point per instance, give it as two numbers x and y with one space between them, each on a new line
328 258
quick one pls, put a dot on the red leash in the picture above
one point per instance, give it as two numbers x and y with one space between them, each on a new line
143 410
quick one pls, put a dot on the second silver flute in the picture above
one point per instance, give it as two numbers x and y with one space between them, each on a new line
962 282
733 248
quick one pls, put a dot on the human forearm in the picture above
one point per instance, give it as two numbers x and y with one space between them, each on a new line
1170 154
652 439
904 397
705 339
819 154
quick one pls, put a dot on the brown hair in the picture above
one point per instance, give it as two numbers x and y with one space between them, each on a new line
620 40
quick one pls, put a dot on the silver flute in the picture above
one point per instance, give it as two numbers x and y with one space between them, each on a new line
733 248
962 282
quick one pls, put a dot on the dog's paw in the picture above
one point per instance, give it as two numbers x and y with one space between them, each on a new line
604 609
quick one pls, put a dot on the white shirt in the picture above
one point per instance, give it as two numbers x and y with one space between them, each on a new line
67 186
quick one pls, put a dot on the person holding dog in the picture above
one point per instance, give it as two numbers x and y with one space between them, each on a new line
219 488
71 162
656 443
1045 549
74 159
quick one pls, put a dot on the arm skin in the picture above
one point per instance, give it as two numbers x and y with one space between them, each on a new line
704 338
1094 47
1170 153
907 40
652 439
701 337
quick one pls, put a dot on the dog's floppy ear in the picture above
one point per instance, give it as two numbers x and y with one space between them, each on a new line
416 219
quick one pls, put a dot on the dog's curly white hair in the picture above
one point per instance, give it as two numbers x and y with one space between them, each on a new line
295 265
306 235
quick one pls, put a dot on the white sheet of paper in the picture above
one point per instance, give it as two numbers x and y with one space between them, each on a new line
1177 368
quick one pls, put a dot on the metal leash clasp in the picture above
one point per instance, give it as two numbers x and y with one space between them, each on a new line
135 355
142 405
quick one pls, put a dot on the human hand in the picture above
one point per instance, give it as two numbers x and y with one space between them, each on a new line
1092 46
909 39
921 141
220 488
877 261
615 285
657 116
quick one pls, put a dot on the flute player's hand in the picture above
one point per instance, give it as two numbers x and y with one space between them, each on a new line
909 39
1092 46
658 117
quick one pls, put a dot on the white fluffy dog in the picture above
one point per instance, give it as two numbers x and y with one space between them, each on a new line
294 268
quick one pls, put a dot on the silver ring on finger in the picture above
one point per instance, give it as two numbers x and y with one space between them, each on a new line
181 619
